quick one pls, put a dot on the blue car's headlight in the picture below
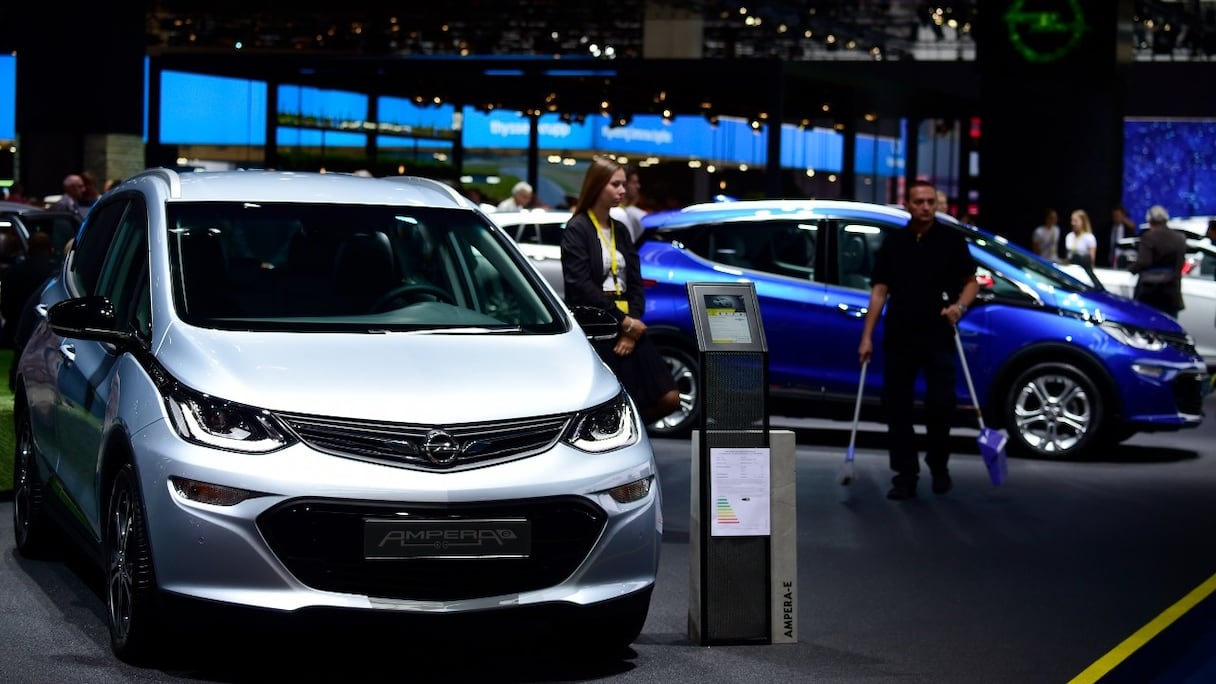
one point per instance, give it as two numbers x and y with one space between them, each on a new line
221 424
1137 338
606 427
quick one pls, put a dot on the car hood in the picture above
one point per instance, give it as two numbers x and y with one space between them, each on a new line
397 377
1115 307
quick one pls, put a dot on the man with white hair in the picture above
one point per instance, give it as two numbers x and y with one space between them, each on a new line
1159 263
521 198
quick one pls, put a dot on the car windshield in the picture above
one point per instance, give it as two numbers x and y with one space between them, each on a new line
1035 270
334 267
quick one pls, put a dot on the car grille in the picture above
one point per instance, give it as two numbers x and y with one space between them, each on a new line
321 542
427 447
1189 389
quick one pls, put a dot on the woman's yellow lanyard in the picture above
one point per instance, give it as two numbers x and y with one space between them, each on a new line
620 303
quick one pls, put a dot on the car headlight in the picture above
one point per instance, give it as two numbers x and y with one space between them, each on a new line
612 425
221 424
1137 338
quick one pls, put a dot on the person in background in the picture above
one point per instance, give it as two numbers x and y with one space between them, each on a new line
73 199
943 203
1121 226
521 198
16 193
629 212
1080 243
600 268
924 278
1159 263
1211 239
1046 238
92 190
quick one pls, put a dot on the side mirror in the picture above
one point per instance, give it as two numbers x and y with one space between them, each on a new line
596 323
87 318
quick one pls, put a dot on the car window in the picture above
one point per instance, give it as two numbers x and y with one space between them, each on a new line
857 242
551 233
125 269
785 248
337 267
88 256
11 245
61 227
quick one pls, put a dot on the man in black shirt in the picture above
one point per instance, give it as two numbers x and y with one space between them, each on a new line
925 277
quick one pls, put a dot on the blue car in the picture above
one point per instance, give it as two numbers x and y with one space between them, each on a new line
1065 367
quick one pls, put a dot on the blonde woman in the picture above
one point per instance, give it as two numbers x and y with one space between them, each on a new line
1081 245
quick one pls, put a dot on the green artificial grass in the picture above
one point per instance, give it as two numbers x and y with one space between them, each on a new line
6 423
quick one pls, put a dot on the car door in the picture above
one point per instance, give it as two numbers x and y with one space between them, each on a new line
112 262
854 242
781 257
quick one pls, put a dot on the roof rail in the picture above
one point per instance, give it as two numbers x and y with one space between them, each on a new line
168 175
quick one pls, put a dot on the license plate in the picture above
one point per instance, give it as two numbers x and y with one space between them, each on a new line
498 538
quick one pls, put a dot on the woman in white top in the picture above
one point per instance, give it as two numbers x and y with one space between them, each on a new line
1080 244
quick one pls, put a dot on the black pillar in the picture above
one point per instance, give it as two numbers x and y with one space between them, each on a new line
80 78
1053 97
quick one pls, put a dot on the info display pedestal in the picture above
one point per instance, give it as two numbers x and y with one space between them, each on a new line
742 541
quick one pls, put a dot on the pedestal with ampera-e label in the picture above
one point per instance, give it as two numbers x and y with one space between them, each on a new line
742 540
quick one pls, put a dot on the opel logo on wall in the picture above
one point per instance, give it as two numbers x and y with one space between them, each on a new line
440 447
1045 30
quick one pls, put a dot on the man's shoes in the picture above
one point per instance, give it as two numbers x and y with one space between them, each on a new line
942 483
902 489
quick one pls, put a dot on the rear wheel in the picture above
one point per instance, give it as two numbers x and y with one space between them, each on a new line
1054 411
685 371
131 596
31 526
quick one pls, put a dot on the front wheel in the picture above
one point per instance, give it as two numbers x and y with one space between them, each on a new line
1054 411
131 595
686 372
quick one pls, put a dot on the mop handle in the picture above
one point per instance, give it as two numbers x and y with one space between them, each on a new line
958 342
857 406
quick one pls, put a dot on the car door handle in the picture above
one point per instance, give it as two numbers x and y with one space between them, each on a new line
68 351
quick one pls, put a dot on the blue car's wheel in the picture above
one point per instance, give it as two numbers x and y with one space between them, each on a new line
685 371
1054 411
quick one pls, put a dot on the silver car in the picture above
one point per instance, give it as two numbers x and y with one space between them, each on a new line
286 391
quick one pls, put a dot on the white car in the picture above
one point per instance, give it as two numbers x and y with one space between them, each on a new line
539 236
299 392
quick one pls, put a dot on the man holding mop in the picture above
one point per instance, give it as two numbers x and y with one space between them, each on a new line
925 278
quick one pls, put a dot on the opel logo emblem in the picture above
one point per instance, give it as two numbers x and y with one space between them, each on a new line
440 447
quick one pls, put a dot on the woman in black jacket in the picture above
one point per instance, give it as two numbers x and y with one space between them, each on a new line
600 268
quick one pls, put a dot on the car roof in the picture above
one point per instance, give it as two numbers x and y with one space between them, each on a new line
514 218
301 186
19 208
743 210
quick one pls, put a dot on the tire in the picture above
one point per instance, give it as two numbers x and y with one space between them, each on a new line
1054 411
131 594
685 370
32 528
609 630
